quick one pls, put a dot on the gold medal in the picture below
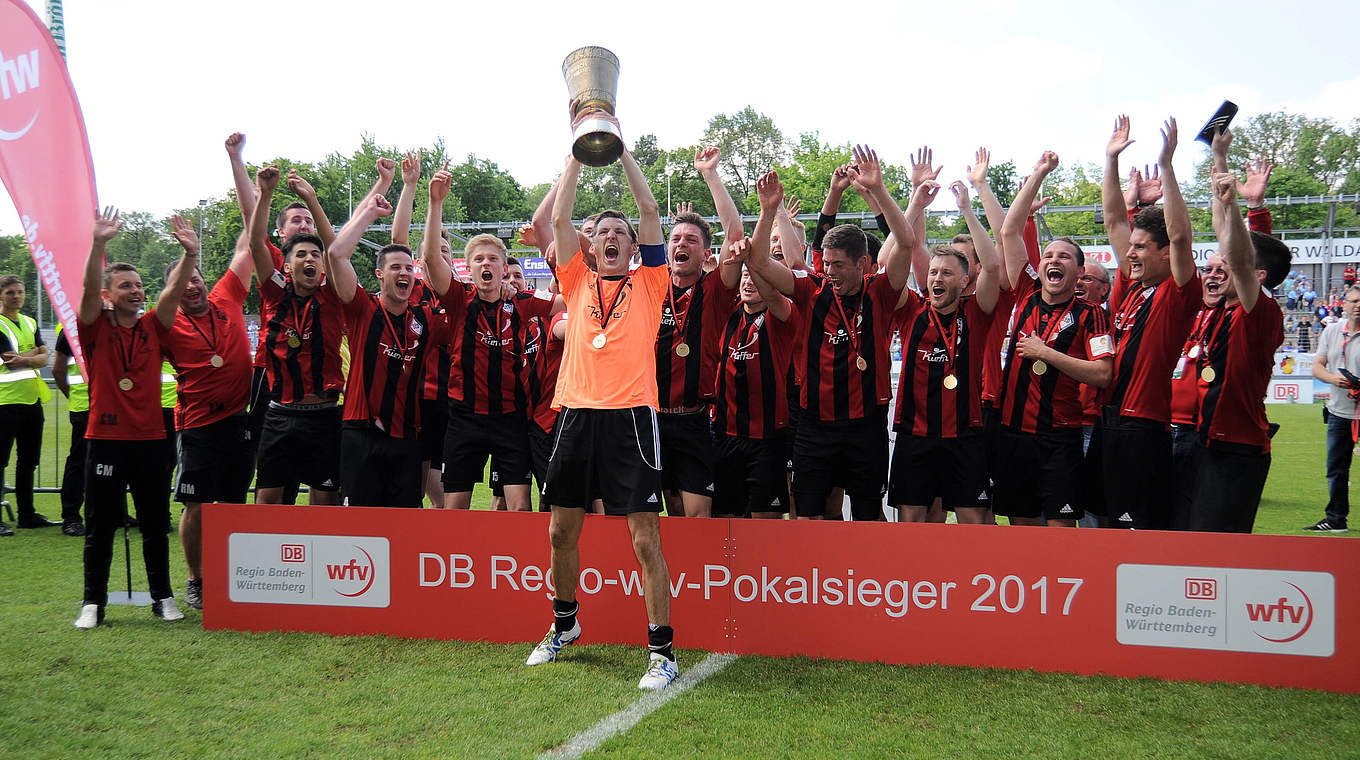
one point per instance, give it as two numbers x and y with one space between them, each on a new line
125 384
1208 374
862 364
951 382
1193 352
598 341
293 341
216 360
1039 367
681 350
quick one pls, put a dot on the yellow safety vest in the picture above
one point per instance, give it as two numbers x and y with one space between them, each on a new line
168 386
80 391
21 386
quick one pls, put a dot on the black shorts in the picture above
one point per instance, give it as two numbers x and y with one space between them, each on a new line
991 429
260 396
608 454
686 452
540 448
1040 474
377 470
170 452
1136 468
300 443
950 468
1229 478
215 462
434 423
471 438
751 474
1092 478
852 454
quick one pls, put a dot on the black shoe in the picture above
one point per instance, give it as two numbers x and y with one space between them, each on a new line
36 520
5 530
73 528
1327 525
193 593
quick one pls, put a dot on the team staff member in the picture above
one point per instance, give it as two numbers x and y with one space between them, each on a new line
380 446
605 440
1339 356
685 350
70 381
126 433
301 437
1156 294
940 450
1059 343
488 401
22 394
209 350
751 413
845 317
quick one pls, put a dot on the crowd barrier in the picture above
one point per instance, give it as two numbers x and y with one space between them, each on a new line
1272 610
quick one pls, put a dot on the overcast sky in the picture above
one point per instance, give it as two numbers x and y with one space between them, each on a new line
163 83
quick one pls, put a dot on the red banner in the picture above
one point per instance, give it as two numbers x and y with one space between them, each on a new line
1274 610
45 157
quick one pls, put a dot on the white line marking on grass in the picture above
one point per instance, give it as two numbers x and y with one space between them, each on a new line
625 719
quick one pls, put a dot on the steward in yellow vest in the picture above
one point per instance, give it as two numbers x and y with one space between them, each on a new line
22 393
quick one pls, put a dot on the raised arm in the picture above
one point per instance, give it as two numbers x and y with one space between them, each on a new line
438 273
977 177
303 189
770 192
989 278
564 232
406 202
1112 197
791 234
245 189
706 161
1013 228
1235 241
1177 215
267 179
538 232
339 267
867 177
106 225
649 213
179 277
241 264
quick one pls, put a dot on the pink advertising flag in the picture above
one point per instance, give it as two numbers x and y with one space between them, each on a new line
45 157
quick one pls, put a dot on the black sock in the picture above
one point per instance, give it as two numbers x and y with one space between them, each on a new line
659 639
564 614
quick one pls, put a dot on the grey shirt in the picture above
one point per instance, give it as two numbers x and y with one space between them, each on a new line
1331 343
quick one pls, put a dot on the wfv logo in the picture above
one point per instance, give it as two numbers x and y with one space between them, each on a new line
354 571
1288 619
1275 613
21 70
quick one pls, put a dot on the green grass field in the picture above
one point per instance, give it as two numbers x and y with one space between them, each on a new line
138 687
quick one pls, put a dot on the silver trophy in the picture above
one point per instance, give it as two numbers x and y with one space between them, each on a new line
592 75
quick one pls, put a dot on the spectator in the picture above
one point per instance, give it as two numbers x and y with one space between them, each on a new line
1321 312
1310 297
1291 298
1348 275
1289 282
1306 334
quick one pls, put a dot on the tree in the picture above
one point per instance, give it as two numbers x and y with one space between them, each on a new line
487 193
1318 147
751 145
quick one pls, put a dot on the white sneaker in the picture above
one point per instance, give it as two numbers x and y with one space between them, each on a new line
166 610
660 673
552 643
91 615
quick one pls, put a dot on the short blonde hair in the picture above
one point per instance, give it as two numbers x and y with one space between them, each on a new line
485 239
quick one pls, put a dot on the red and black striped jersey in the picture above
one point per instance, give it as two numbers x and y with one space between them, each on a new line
1185 377
1241 351
753 371
684 382
544 355
1003 325
301 340
486 372
1034 403
387 365
436 361
840 331
934 347
1149 326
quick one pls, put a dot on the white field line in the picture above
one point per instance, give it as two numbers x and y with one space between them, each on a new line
628 717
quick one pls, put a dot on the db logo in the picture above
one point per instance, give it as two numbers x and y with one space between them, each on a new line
1286 391
353 578
1201 588
293 553
1284 619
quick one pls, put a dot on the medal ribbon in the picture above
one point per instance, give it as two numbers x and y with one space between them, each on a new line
675 315
212 323
951 342
1053 325
1132 304
299 327
618 294
126 354
405 322
854 336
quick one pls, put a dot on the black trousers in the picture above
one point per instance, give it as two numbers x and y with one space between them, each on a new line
73 476
22 423
113 467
